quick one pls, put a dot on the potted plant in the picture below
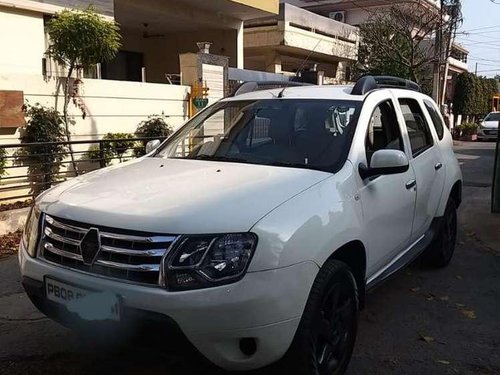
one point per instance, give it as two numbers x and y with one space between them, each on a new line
467 131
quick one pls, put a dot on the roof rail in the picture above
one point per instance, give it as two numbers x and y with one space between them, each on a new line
252 86
370 83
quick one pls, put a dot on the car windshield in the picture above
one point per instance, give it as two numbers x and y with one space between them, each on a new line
314 134
493 117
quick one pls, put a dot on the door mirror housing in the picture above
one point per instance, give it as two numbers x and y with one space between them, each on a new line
385 162
152 145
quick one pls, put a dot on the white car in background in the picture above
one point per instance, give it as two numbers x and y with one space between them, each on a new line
257 228
488 128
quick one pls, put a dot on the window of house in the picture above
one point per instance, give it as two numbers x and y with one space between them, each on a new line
436 119
383 130
418 129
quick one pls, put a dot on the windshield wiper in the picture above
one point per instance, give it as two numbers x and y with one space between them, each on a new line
296 165
220 158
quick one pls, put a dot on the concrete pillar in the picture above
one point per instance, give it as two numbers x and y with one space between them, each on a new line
240 47
273 62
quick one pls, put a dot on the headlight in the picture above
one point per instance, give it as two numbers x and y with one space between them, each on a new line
206 261
31 229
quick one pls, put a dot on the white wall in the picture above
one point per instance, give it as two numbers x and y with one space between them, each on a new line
112 106
22 41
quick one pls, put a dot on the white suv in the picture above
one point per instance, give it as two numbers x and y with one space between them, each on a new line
256 228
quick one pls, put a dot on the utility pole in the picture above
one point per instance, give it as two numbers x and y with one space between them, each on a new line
475 72
495 192
454 14
438 55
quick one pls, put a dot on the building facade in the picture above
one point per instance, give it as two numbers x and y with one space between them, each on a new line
299 41
358 12
143 80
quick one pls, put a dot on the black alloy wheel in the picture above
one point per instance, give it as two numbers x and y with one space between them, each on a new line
325 338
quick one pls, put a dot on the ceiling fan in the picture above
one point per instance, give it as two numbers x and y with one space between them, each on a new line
147 35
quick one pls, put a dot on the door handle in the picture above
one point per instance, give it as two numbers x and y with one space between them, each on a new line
438 166
411 184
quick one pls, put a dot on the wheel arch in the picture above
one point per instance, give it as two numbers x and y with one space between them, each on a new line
456 193
353 254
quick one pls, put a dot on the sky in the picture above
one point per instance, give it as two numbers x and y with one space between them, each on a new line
480 34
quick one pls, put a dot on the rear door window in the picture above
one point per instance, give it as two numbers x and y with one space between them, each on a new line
418 129
436 118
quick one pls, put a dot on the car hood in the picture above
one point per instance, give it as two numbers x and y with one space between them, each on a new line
490 124
177 196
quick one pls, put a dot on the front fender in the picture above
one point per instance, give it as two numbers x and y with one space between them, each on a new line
310 226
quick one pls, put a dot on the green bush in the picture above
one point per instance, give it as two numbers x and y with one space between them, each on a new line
3 161
467 129
154 126
94 154
43 161
119 144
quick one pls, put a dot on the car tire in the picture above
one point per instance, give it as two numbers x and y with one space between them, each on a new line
325 338
441 250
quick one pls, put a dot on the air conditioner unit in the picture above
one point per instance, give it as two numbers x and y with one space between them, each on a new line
338 16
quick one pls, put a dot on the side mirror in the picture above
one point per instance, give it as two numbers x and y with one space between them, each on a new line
152 145
385 162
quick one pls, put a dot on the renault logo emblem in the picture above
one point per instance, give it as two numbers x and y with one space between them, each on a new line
90 246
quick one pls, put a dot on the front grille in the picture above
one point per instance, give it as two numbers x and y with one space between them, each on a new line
132 256
490 132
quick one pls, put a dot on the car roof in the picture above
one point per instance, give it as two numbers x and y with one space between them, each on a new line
332 92
303 92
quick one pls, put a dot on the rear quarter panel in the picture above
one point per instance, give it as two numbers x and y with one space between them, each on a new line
453 171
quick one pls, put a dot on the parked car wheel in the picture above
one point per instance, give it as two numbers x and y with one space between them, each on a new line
441 250
325 338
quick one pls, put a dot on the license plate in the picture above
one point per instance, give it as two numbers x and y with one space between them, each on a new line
89 305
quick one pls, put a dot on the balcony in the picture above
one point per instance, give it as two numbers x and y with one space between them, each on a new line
296 34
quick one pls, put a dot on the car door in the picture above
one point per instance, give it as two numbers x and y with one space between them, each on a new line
426 162
388 201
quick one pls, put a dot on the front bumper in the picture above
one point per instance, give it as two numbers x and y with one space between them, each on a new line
485 133
264 306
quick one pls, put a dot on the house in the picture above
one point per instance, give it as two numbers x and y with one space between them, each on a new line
358 12
145 77
297 40
153 73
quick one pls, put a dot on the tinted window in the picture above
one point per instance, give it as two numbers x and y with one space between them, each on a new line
313 134
383 130
436 119
418 129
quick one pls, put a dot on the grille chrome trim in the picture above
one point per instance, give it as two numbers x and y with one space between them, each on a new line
144 253
134 258
48 246
130 267
137 239
62 226
49 233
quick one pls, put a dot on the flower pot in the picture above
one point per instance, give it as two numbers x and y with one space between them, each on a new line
469 138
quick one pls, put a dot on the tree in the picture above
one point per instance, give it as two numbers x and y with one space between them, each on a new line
79 40
473 95
399 40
